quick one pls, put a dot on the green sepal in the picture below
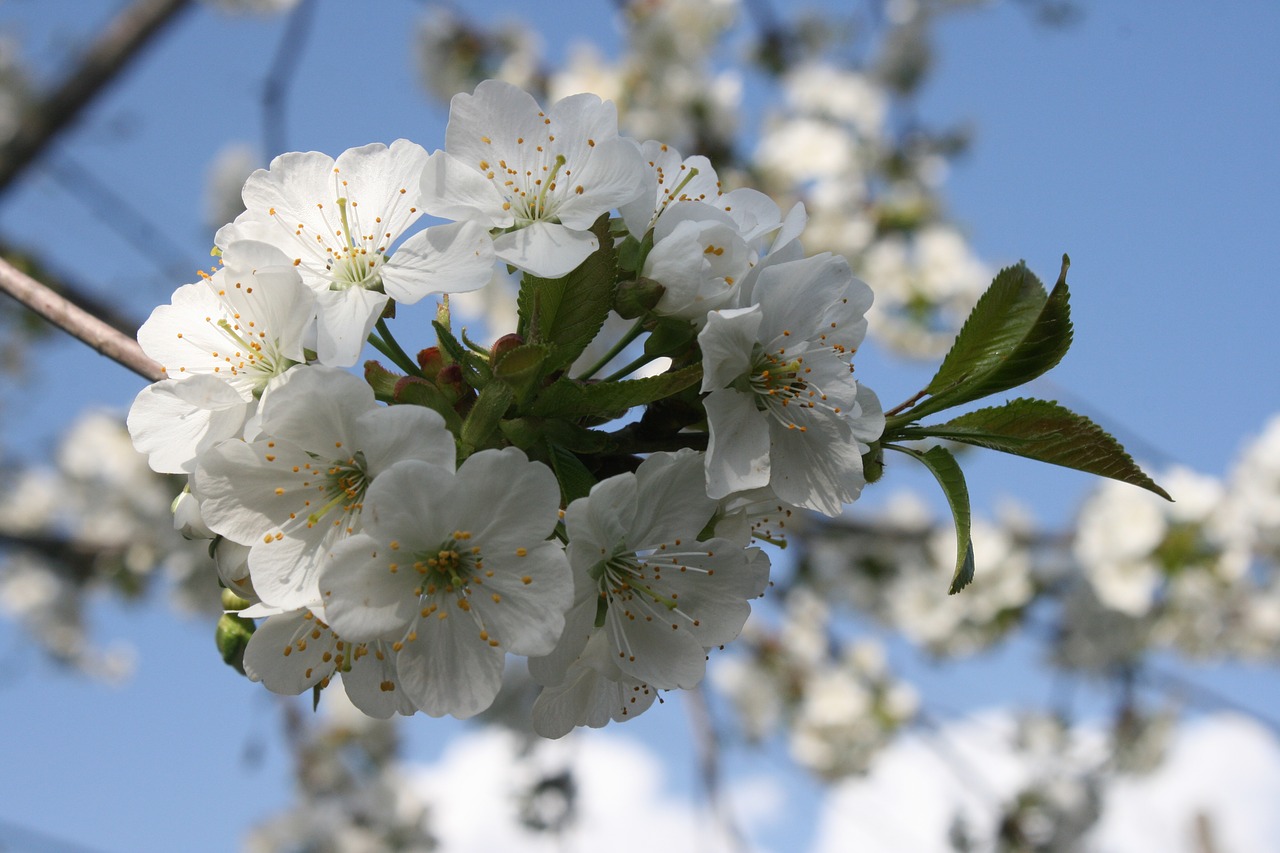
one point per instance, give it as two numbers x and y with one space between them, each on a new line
1044 431
475 368
1015 333
669 337
523 368
232 635
524 433
602 610
575 480
567 313
873 463
636 297
568 398
485 415
382 381
947 472
420 392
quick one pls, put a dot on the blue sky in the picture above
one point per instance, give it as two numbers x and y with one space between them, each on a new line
1141 142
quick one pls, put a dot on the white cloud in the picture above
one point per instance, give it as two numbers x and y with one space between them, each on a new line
624 801
1225 768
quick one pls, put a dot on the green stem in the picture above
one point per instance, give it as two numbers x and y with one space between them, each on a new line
388 346
622 343
637 363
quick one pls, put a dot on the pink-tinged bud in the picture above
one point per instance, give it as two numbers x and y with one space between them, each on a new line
449 378
504 345
431 360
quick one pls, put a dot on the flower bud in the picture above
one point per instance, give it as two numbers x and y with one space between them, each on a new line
232 637
431 360
504 345
637 297
382 381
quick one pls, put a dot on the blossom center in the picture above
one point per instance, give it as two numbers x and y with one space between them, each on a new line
344 485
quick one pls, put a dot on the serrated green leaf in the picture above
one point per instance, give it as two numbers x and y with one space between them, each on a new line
567 313
568 398
1015 333
947 472
575 480
1044 431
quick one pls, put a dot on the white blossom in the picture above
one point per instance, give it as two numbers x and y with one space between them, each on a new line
541 177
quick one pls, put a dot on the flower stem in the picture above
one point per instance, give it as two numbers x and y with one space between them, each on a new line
631 367
619 346
388 346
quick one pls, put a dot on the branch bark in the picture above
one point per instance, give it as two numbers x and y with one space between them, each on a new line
119 44
77 322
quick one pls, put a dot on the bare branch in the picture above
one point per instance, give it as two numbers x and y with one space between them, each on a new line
77 322
119 44
280 78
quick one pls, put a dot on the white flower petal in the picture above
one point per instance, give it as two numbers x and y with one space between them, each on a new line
545 249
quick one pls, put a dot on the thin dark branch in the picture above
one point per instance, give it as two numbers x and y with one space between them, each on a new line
708 739
77 322
119 44
118 214
280 77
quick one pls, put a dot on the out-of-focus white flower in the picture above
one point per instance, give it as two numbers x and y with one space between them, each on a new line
822 89
925 286
224 181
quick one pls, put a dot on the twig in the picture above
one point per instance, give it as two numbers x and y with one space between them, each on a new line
118 214
120 43
77 322
708 740
280 77
75 293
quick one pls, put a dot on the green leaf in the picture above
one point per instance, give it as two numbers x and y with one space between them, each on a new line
1044 431
567 313
485 415
568 398
1015 333
575 480
947 472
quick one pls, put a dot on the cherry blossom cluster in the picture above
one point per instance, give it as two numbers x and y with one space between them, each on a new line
409 530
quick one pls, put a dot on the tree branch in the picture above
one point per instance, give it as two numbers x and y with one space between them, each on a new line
77 322
122 41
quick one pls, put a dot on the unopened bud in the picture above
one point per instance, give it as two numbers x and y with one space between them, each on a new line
504 345
431 360
637 297
382 381
232 637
